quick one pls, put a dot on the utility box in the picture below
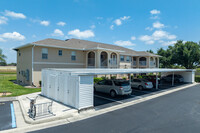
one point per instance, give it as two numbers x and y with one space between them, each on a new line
72 90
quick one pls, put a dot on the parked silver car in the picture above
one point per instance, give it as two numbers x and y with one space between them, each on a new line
141 84
113 87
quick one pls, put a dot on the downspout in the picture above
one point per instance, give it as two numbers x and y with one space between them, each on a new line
32 63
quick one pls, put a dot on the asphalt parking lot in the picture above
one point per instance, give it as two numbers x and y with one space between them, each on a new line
5 116
102 100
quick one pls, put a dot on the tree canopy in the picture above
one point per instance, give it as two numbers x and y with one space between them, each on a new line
181 54
2 57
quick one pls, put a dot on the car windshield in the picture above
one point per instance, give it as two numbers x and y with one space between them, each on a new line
121 83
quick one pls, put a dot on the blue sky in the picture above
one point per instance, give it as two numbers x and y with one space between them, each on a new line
137 24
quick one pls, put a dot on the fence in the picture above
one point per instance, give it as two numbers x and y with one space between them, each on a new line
43 109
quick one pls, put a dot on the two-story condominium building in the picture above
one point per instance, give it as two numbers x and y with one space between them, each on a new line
75 53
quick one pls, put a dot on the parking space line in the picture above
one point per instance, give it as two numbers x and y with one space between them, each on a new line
13 116
108 99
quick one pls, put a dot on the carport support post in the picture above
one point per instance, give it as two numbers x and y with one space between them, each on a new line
130 79
156 81
173 79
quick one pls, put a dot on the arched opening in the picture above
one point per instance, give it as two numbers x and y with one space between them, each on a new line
134 61
143 61
113 60
156 62
91 59
104 59
152 62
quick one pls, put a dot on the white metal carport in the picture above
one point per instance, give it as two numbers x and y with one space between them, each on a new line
74 87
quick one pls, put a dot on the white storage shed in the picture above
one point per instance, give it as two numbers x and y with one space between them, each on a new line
74 87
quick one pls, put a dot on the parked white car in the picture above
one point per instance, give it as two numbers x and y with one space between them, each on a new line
141 84
114 87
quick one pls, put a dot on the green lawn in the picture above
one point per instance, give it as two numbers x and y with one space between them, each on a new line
8 86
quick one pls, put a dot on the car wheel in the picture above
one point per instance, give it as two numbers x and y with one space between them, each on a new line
113 93
140 87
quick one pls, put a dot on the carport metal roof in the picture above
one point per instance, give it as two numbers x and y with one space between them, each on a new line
98 71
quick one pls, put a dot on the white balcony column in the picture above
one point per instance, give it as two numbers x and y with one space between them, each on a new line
148 62
98 60
137 62
108 59
158 63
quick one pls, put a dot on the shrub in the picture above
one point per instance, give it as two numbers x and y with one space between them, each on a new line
97 80
40 83
197 78
113 77
123 77
139 77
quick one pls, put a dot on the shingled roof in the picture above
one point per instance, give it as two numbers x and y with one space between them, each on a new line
89 45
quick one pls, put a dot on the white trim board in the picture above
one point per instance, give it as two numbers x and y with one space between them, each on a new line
58 63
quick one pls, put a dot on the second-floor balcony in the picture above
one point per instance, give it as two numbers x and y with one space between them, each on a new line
152 64
142 63
91 62
113 63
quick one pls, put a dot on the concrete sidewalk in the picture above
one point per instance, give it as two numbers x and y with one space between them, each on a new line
60 111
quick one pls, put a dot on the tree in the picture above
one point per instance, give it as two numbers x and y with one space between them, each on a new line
165 60
180 55
150 51
186 54
2 57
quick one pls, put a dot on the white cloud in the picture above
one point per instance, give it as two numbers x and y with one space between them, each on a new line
44 22
145 38
118 22
149 28
124 43
133 38
155 12
2 40
112 27
125 18
150 42
57 32
81 34
12 36
158 25
61 23
14 14
3 20
160 34
92 26
168 43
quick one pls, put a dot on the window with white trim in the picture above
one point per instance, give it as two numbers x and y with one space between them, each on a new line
121 58
73 55
60 52
128 58
44 53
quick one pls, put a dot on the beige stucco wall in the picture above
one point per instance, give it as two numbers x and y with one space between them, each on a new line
56 61
24 62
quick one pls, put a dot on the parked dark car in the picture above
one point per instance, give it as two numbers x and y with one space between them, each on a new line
152 78
177 78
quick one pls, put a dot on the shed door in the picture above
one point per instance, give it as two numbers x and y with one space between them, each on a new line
52 86
71 91
61 88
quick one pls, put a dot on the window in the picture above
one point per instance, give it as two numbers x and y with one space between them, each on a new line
44 53
60 52
108 82
128 58
121 58
73 55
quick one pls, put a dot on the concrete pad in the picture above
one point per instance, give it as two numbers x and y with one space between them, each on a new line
60 111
